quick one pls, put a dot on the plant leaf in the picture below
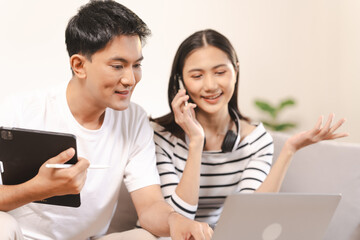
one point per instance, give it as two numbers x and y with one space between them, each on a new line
266 107
284 126
287 102
269 125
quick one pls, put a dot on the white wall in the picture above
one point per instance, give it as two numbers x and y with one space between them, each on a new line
306 49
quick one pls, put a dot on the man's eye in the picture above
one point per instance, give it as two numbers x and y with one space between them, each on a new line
117 66
137 65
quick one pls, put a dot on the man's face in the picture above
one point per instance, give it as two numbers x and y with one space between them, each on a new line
113 73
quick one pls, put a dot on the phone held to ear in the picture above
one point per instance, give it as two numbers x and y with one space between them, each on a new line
181 86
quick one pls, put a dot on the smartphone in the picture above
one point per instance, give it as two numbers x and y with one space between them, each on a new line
181 86
23 151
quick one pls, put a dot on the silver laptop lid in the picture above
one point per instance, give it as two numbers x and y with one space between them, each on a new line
276 216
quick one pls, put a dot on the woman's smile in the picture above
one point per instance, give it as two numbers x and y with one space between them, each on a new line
212 99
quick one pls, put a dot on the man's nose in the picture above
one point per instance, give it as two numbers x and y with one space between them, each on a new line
128 79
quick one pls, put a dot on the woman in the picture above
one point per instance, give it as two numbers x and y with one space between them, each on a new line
206 148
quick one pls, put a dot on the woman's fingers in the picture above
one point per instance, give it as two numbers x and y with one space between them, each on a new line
338 135
326 132
329 122
317 127
337 125
179 102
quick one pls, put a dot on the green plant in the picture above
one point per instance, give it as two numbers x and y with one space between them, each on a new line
273 112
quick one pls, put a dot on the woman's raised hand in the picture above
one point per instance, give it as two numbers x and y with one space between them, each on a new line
185 116
317 134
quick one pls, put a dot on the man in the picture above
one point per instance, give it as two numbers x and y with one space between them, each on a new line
104 41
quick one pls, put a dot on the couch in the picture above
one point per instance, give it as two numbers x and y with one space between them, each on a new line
326 167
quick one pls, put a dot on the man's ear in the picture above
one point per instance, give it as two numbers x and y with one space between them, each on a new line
77 63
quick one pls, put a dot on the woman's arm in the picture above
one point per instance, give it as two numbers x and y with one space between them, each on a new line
183 192
319 133
169 174
188 187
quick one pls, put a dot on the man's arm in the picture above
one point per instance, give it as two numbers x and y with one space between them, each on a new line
47 183
158 217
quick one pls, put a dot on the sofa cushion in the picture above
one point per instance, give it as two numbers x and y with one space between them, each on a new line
328 167
125 216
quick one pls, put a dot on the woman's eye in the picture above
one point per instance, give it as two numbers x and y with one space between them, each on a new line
196 76
220 72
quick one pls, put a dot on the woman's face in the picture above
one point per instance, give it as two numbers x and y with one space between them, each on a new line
209 78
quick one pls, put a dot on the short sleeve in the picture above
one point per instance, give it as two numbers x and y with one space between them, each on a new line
260 163
140 170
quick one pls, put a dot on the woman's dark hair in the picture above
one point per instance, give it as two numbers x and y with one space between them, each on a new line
195 41
97 23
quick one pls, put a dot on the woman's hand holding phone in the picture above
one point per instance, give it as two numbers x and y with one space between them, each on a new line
185 116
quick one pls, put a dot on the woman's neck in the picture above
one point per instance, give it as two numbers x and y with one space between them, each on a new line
215 127
214 122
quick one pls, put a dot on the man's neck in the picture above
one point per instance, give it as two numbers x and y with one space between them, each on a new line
84 109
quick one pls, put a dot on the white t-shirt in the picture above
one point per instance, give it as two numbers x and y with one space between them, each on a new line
125 142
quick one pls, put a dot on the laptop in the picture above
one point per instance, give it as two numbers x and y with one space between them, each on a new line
276 216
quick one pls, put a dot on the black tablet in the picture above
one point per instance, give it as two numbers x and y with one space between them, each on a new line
23 151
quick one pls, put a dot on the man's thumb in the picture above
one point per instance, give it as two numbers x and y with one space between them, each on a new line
63 157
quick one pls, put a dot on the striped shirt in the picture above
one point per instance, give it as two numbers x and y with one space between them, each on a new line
242 170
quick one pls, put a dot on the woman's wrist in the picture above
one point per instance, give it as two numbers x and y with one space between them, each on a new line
196 142
289 147
173 214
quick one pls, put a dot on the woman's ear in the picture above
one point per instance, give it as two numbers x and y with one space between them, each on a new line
77 63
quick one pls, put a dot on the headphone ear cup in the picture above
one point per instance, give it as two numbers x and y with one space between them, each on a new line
229 141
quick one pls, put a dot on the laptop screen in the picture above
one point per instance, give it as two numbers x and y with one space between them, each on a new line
276 216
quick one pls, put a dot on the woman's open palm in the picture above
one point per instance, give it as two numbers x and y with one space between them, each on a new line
317 134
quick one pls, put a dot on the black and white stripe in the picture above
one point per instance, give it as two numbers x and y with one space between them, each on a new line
242 170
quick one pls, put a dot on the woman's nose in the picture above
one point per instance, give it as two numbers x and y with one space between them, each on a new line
209 82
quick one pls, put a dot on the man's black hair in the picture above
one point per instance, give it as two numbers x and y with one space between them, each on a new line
97 23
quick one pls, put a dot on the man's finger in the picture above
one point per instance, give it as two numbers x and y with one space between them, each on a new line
63 157
82 164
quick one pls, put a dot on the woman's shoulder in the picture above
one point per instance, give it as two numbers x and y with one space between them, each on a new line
251 132
162 136
156 126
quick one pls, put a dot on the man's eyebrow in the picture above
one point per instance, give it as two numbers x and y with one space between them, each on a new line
120 59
